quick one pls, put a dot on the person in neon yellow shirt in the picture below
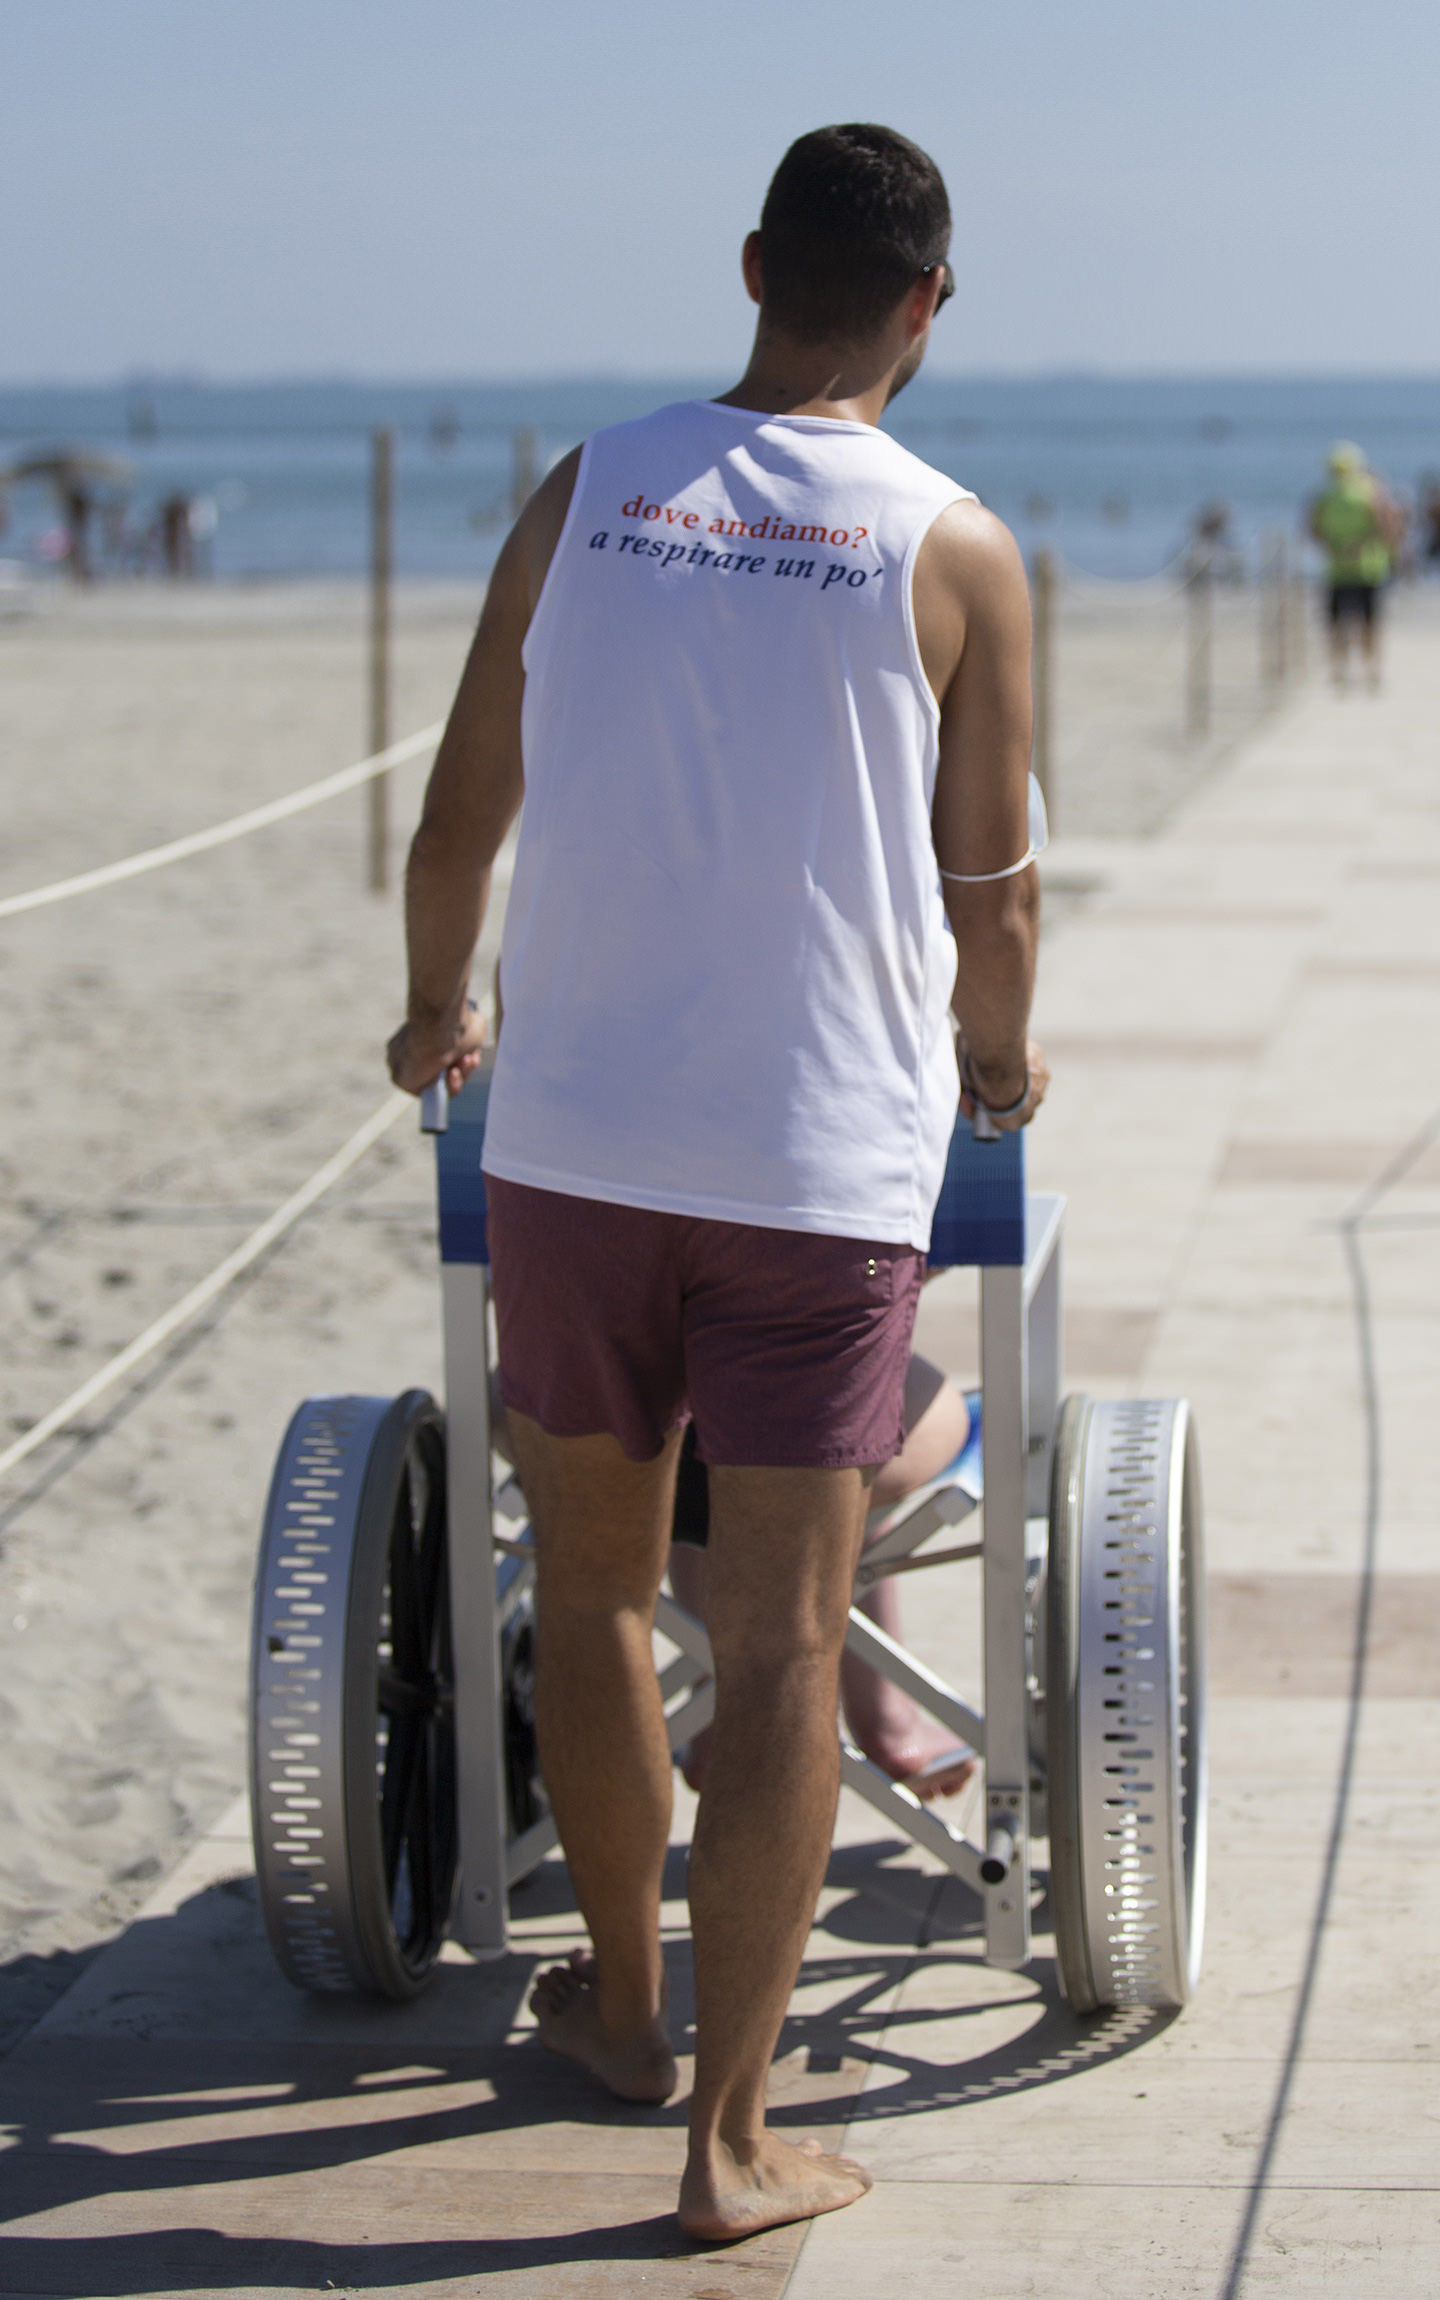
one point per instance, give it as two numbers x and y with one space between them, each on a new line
1359 527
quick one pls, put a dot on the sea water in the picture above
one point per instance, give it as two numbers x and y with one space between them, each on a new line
1110 473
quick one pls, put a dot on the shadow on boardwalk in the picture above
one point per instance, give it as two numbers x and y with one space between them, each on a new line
193 2125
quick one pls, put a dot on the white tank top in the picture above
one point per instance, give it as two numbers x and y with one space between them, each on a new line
726 965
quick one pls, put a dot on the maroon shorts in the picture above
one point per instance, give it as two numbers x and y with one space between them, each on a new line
788 1348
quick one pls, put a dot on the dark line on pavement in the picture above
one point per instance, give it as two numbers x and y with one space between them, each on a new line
1350 1227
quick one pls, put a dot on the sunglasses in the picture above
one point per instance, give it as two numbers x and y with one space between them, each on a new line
947 283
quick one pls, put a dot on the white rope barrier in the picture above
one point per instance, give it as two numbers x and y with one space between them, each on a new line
224 1274
155 858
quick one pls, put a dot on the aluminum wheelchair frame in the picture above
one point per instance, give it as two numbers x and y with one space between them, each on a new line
395 1786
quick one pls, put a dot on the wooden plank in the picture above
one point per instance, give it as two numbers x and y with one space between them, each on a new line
375 2227
1294 1633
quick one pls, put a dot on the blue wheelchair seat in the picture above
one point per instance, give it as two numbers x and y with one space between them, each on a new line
979 1216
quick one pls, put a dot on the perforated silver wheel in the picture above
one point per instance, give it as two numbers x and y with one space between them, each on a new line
352 1756
1125 1703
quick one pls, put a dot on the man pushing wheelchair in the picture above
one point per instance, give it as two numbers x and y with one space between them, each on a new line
762 680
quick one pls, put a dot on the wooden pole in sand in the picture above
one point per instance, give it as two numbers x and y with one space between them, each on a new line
1296 608
1042 609
1271 602
1198 632
382 505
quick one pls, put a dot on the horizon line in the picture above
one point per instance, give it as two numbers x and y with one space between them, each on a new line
198 379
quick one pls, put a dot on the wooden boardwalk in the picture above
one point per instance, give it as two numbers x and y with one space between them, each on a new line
1245 1024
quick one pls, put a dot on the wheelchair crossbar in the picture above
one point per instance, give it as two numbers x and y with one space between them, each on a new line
682 1672
525 1853
945 1503
868 1575
917 1821
871 1644
510 1500
692 1716
683 1630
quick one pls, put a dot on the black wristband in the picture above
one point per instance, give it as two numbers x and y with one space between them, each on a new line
1010 1110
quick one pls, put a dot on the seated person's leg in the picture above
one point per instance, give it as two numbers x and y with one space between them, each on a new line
937 1424
894 1732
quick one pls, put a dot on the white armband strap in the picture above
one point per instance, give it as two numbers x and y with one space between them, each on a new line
983 877
1039 828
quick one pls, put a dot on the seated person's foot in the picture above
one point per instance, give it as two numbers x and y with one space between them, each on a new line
721 2198
917 1751
566 2005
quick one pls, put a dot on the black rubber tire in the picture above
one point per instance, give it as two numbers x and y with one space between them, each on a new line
525 1798
400 1798
352 1756
1062 1651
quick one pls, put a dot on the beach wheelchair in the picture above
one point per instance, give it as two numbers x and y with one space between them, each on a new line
396 1790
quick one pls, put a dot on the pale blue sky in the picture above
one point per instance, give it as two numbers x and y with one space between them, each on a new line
303 187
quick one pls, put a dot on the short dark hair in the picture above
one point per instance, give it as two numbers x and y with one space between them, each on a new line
852 217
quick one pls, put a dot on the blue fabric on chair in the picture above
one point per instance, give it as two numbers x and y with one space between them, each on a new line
979 1220
980 1214
462 1185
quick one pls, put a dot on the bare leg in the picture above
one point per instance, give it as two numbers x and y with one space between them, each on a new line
1370 645
602 1528
783 1547
937 1423
893 1731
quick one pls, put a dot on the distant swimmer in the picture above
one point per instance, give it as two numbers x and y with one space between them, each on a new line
1360 528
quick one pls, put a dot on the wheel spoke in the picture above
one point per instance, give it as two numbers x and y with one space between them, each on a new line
402 1756
420 1839
431 1570
399 1696
407 1638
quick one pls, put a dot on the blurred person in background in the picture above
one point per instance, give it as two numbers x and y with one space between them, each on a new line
79 507
177 543
1213 546
1428 521
1359 527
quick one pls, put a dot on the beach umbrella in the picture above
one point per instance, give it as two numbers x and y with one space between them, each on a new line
70 467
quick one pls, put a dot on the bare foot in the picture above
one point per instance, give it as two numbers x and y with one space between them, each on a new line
721 2198
566 2005
943 1772
914 1749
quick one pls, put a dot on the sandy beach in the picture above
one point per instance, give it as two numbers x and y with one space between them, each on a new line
180 1054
